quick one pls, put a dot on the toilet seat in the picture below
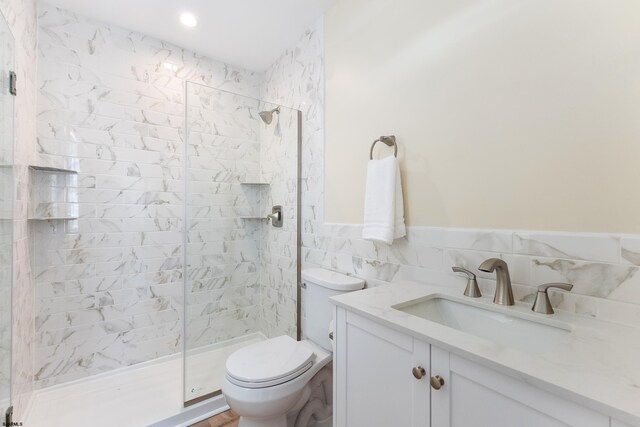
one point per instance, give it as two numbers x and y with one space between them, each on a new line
269 363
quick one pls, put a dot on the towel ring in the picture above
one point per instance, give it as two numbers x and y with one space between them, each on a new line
389 141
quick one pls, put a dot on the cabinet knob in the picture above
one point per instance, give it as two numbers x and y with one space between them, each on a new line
436 382
419 372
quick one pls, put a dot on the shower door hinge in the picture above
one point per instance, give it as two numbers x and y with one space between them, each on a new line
12 83
8 416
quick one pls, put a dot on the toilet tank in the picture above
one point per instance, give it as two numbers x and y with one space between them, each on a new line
318 286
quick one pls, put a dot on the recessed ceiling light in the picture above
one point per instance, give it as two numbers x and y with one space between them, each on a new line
188 19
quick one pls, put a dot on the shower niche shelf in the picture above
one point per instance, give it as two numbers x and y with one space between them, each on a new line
254 180
254 183
52 218
255 189
53 194
44 169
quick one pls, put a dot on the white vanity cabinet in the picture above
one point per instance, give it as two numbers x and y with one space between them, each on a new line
376 385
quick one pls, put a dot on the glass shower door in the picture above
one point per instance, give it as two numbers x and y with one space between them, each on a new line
241 271
6 210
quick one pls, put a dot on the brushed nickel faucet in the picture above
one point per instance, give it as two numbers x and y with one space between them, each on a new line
504 292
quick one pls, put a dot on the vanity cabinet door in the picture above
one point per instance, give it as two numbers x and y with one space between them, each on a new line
478 396
375 384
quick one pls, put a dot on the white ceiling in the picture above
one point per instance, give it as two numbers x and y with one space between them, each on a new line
246 33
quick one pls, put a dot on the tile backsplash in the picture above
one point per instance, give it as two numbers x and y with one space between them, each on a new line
606 283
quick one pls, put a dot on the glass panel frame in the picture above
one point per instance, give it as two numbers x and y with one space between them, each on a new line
241 274
7 126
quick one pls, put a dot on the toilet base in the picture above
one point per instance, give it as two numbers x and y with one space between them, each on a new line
313 407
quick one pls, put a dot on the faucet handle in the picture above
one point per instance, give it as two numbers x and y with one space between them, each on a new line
542 303
563 286
470 274
472 290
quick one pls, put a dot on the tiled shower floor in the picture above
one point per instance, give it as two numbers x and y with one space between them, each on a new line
135 396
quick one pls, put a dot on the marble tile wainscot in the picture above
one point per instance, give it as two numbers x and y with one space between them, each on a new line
604 268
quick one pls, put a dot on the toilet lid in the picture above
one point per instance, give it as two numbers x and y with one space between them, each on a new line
270 362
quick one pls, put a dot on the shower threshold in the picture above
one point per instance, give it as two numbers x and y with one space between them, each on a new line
146 394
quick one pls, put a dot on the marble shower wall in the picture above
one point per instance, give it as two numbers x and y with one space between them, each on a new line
110 105
223 258
296 80
21 17
278 246
239 167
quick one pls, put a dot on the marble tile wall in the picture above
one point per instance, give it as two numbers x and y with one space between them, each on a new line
223 257
278 246
23 315
53 194
296 80
240 268
108 286
21 18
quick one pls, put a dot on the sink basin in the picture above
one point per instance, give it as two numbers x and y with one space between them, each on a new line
511 330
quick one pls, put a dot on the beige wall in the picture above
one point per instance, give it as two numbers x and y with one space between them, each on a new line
508 113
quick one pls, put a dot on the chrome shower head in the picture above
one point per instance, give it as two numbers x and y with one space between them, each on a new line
267 116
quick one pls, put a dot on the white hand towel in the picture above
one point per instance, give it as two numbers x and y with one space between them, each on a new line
383 203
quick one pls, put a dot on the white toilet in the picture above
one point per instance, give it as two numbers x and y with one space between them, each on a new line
282 382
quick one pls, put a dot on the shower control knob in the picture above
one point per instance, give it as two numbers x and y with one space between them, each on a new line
436 382
418 372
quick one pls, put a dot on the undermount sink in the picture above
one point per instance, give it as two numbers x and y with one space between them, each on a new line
491 323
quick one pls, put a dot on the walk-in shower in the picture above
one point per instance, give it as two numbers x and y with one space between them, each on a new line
167 263
241 270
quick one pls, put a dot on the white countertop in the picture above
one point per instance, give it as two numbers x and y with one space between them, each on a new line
597 364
